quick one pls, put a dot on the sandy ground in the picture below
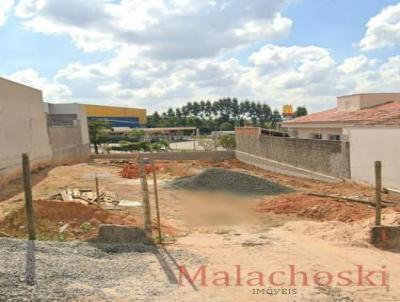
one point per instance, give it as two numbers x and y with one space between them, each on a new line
228 231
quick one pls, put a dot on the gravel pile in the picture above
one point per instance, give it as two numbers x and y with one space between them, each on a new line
77 271
229 181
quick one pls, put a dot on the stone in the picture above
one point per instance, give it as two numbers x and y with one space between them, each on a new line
109 233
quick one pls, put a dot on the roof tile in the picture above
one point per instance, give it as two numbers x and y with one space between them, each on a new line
387 115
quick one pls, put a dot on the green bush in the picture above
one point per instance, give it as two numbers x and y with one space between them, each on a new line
226 127
227 142
207 144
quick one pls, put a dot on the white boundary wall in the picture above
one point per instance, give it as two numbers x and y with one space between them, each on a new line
368 145
23 129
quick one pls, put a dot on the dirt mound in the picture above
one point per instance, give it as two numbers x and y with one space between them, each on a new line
229 181
132 170
82 221
321 209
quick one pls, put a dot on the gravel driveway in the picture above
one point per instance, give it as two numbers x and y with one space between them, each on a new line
79 271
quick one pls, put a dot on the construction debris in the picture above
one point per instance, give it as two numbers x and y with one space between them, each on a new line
230 181
3 234
63 228
351 199
129 203
86 196
132 170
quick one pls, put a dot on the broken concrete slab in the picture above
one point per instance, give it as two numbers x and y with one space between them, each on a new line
129 203
386 237
255 242
109 233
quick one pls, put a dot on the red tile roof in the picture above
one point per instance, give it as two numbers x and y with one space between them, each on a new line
387 114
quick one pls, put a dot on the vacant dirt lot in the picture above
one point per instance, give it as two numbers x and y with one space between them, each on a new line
223 231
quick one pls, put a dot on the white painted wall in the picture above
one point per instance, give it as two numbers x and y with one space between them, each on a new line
307 133
368 145
360 101
23 127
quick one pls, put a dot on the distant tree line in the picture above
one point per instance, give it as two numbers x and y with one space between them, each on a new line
224 114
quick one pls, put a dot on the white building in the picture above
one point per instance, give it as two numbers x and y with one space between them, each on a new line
370 122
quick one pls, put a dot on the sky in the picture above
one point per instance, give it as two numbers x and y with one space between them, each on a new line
158 54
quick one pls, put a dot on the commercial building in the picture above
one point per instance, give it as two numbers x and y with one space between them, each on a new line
117 116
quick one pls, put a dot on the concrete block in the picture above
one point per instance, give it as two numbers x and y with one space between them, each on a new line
110 233
386 237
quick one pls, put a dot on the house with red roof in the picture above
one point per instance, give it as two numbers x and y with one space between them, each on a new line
378 109
370 122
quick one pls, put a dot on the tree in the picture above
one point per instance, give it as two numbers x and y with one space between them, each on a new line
300 111
210 116
227 141
253 113
226 126
276 118
207 144
153 120
98 132
137 134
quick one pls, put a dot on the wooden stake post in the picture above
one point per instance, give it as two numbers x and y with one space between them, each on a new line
378 192
96 180
157 204
146 200
28 196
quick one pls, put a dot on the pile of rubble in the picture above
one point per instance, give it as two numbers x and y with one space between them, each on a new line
132 170
107 199
216 179
86 196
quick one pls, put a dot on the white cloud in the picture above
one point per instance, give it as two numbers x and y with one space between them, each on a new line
354 64
274 55
292 67
169 52
165 30
125 80
5 7
52 90
276 75
383 30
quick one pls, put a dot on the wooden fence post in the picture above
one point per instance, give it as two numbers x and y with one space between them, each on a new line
96 180
146 200
28 196
378 192
156 200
